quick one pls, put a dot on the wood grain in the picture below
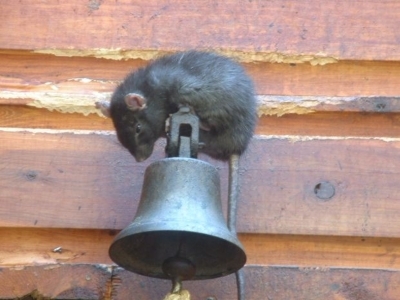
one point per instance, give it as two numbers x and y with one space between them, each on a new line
90 181
57 170
282 178
278 283
66 281
24 71
22 116
56 281
343 124
361 31
46 246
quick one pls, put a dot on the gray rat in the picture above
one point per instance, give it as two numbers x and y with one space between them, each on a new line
215 88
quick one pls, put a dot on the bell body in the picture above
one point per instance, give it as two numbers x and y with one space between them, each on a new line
179 216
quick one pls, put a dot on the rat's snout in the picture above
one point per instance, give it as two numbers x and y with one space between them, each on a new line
143 152
140 159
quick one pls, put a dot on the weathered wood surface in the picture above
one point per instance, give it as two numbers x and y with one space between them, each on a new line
278 283
331 124
21 116
89 181
74 84
56 281
40 246
293 170
24 71
366 30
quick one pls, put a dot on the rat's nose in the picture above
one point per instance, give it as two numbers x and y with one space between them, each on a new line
140 159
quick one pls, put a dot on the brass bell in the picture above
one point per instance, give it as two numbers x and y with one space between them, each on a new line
179 230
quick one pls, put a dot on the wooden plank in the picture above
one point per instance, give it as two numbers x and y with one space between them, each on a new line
322 251
53 185
329 186
87 180
21 116
276 30
25 72
74 84
29 67
39 246
345 78
277 283
56 281
332 124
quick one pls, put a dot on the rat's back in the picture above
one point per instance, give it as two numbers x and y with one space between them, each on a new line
202 78
220 93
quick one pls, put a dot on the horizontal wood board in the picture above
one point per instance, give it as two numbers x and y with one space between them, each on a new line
69 180
279 283
46 246
27 72
366 30
57 281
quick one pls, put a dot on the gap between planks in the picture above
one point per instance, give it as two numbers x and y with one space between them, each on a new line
290 138
313 124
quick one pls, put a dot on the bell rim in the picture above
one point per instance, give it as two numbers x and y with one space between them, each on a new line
235 244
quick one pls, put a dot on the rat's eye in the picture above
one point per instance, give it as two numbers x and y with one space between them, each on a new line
138 127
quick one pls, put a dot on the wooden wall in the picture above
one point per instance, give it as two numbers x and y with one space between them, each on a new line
320 193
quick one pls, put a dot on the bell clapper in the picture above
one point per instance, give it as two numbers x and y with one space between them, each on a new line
178 269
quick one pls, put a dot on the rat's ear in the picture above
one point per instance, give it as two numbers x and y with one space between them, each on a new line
104 106
135 102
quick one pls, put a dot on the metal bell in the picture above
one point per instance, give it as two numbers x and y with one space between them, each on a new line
179 230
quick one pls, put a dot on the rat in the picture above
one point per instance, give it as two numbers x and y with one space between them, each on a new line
215 88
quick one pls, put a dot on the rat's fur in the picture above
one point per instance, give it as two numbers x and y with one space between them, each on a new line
215 87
